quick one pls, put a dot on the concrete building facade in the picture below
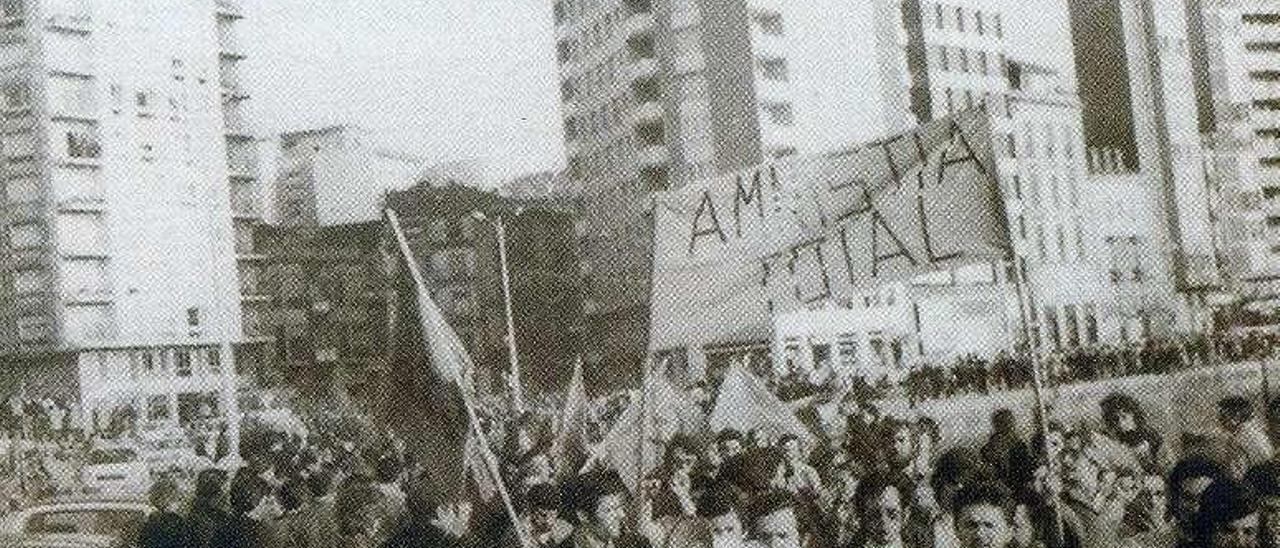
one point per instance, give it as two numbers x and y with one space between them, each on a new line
1134 66
452 233
337 175
129 177
1236 56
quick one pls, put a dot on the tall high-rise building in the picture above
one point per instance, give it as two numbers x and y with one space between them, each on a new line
656 93
1236 54
129 177
1134 70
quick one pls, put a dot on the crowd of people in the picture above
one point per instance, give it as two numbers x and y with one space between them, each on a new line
864 479
1006 371
881 481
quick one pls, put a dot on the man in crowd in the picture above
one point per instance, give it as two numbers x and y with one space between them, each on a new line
721 508
882 508
1228 517
984 516
1264 481
774 523
1246 442
599 501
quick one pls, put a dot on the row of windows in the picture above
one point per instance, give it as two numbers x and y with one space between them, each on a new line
977 21
1034 195
772 68
964 60
1262 18
1067 248
769 22
599 121
778 112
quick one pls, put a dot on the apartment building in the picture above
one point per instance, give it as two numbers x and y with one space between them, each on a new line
1236 56
338 175
129 179
453 233
1134 67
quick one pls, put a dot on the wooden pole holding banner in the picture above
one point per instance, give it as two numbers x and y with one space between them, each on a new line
1025 315
486 453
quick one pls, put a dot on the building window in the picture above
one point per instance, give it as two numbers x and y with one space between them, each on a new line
770 23
997 20
943 59
773 68
960 19
157 408
977 21
1262 18
25 235
1017 187
182 362
1022 227
779 113
963 54
1010 146
981 61
939 17
82 145
193 317
651 133
951 101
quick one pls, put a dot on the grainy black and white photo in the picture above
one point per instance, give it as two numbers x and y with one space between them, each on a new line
639 273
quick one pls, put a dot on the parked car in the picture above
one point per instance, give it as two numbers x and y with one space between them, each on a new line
75 523
116 471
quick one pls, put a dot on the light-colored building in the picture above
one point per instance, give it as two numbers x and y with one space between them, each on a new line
129 177
1135 78
338 175
1236 54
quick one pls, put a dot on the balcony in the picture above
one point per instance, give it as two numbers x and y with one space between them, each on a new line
642 68
647 112
82 204
74 23
638 24
230 9
90 297
654 156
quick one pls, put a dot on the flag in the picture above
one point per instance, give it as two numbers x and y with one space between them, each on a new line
666 411
422 397
745 404
570 445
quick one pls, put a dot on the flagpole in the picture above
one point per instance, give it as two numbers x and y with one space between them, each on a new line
1025 314
463 387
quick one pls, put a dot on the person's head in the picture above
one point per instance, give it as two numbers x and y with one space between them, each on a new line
729 443
954 469
1187 481
164 495
983 515
319 482
792 448
355 506
1228 516
881 505
253 497
1264 480
1154 495
1233 412
1273 417
388 469
681 453
1003 421
599 499
544 506
211 489
536 468
773 521
902 443
1120 413
721 507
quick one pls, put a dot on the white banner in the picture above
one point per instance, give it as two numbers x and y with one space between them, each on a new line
730 251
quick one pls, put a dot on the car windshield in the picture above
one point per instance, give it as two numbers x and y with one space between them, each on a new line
115 455
120 524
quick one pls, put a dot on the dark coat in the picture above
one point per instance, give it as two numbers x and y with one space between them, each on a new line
164 530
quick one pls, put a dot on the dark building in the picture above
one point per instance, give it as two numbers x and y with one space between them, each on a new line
452 231
326 294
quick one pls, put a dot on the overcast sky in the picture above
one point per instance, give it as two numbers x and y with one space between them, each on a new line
448 79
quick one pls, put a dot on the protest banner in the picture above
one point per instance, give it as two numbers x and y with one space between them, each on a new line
731 251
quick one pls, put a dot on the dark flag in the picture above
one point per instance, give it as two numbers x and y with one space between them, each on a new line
422 401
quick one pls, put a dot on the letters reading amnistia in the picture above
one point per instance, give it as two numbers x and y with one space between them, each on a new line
874 235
